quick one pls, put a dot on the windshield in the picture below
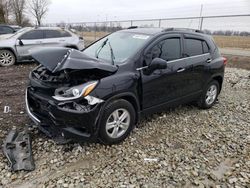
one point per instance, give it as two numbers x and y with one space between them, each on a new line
117 47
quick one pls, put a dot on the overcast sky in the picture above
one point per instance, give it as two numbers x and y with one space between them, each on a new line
100 10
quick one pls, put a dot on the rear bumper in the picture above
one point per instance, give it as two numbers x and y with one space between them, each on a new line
62 123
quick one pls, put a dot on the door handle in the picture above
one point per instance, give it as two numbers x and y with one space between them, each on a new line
181 70
209 60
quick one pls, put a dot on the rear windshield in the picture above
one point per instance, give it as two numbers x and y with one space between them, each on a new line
123 44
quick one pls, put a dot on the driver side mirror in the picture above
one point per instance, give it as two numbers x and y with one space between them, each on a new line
20 42
157 63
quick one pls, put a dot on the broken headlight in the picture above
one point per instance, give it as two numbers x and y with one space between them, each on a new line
76 92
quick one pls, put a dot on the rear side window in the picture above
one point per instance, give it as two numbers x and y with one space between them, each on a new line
56 34
33 35
196 47
168 49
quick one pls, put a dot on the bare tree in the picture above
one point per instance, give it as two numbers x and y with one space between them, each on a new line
18 8
38 8
4 11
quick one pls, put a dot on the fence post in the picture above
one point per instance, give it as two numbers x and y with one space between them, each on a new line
95 31
159 22
201 23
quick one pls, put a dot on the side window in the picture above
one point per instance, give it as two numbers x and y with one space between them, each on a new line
65 34
194 47
33 35
205 47
6 29
168 49
56 34
52 34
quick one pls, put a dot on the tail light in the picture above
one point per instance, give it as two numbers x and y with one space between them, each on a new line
224 60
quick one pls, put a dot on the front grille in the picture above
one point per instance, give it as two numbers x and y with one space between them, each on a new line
43 74
38 107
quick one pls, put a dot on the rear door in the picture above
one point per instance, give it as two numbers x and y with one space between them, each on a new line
196 51
57 38
30 39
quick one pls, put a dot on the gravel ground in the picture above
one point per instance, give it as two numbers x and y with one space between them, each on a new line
183 147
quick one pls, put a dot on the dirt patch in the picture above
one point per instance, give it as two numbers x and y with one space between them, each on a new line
232 41
13 82
238 62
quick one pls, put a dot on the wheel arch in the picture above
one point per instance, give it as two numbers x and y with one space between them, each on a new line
219 79
130 97
10 49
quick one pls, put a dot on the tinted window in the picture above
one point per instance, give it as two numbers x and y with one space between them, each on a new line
169 49
205 47
196 47
52 34
65 34
4 29
56 34
32 35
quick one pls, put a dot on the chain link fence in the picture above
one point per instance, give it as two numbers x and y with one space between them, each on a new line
228 25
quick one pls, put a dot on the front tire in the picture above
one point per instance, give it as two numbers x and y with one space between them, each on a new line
209 95
7 58
117 122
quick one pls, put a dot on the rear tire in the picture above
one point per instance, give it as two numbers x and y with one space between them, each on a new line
209 96
117 122
7 58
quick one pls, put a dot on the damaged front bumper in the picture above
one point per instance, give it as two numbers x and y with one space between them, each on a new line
17 148
64 121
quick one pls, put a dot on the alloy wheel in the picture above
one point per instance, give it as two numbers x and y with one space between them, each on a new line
211 94
118 123
6 58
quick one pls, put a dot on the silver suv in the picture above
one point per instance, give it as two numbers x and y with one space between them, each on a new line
15 48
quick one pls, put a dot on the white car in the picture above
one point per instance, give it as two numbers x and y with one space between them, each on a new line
16 47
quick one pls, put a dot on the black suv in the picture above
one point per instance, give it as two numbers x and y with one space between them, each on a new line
102 92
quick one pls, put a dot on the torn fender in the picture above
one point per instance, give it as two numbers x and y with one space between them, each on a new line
57 59
17 148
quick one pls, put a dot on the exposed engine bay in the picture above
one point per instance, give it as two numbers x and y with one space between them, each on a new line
67 77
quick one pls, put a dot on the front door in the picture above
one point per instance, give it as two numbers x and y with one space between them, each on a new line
163 86
28 41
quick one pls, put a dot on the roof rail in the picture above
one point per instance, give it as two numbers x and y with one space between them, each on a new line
182 29
133 27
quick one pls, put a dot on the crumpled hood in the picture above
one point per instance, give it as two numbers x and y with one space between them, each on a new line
57 59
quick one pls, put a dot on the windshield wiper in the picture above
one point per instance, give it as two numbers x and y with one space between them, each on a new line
112 54
100 48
